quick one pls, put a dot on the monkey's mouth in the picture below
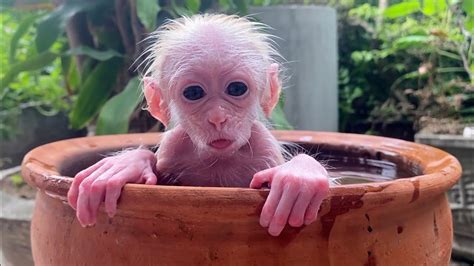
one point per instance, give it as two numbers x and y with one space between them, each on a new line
220 143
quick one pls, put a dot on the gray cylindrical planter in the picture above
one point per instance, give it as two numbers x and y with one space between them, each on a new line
309 44
461 196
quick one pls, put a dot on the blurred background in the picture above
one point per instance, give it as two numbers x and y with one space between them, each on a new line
396 68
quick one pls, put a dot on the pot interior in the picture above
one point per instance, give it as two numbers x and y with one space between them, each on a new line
346 165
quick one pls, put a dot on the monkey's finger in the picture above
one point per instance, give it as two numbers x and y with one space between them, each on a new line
271 204
83 211
113 191
283 210
73 192
262 177
313 208
297 214
150 177
98 189
95 198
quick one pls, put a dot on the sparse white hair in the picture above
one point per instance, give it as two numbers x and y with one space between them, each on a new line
244 40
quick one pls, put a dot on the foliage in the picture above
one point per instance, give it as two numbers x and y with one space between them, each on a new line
17 180
41 87
106 41
403 63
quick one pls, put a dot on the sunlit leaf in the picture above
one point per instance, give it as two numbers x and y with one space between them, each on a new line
52 26
411 41
94 92
402 9
147 11
115 115
33 63
93 53
193 5
431 7
469 23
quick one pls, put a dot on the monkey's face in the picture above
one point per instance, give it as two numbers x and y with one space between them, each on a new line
217 106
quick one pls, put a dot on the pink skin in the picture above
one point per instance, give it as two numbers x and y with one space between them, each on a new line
103 181
297 189
216 141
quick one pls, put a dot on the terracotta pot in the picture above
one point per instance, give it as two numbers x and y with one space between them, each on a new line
406 221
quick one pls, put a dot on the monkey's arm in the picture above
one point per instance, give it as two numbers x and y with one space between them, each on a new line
104 181
297 189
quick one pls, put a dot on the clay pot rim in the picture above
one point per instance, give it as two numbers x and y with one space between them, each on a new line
40 167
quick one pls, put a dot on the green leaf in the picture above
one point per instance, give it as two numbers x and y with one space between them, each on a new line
72 75
94 92
147 11
242 6
21 30
431 7
51 27
278 116
17 180
402 9
115 115
469 23
93 53
33 63
193 5
225 4
449 54
181 11
468 7
412 41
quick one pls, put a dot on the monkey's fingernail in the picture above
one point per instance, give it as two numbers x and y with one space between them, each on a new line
274 232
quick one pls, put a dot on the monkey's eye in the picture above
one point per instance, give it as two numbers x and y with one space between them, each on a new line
193 93
236 88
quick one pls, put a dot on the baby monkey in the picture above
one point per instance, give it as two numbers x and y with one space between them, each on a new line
212 81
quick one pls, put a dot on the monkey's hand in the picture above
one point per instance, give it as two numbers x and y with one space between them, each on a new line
104 180
297 189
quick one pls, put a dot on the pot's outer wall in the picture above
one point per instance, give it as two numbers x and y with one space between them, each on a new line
402 222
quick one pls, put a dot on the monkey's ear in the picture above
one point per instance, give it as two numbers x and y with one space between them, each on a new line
270 98
157 106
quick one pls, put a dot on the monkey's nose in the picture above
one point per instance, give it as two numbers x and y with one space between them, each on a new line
217 121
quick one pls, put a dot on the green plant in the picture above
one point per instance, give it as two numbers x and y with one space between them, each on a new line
105 42
404 62
17 180
40 88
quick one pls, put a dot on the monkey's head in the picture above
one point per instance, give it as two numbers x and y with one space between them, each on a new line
213 75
